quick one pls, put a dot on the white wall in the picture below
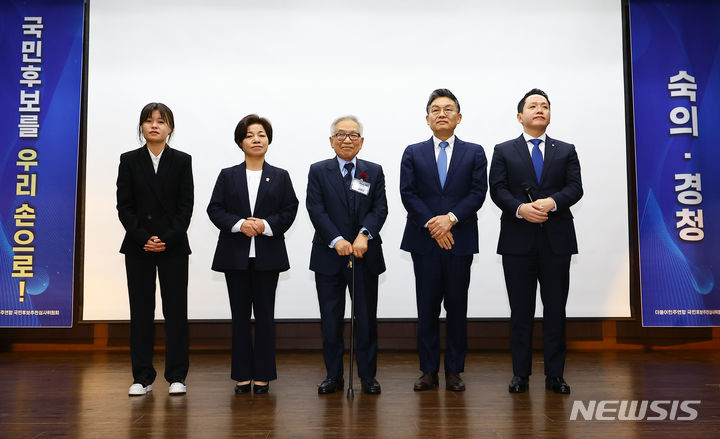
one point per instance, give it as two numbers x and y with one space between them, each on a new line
303 63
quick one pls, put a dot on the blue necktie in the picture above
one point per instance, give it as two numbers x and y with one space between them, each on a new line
442 163
348 175
537 158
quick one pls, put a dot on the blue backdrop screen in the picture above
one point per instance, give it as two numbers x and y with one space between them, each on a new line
676 85
41 48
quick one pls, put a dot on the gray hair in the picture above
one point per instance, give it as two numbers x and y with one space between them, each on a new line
340 119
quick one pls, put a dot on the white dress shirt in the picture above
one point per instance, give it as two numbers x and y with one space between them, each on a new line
448 153
344 171
253 184
530 146
448 149
155 158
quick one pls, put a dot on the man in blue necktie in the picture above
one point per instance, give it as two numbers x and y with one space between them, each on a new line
534 180
443 182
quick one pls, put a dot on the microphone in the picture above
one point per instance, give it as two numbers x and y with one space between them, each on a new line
528 191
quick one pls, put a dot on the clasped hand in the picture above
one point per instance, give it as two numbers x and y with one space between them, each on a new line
154 244
252 227
537 211
357 248
439 228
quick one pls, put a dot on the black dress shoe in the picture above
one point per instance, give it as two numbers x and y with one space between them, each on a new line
427 381
331 385
261 389
242 388
453 382
518 384
557 385
370 386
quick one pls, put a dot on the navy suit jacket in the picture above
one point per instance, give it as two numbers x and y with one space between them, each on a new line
276 203
512 175
335 211
424 198
155 204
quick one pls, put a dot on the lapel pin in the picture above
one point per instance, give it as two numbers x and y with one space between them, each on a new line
267 179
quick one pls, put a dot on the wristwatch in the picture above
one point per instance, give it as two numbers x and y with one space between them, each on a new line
365 232
453 218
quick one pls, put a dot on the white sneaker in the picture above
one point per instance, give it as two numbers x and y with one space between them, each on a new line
137 389
177 388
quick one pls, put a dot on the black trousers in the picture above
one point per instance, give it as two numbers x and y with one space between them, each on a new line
522 275
331 297
442 278
252 290
172 271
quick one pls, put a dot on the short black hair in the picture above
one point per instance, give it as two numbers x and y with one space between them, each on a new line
441 93
165 113
534 91
245 122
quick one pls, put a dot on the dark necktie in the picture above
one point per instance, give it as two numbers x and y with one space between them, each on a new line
537 158
348 175
442 163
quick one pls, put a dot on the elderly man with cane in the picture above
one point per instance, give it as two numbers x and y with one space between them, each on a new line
348 207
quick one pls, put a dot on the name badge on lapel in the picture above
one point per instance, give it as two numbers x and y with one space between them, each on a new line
360 186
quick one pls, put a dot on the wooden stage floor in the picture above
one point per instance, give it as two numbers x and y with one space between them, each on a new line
84 395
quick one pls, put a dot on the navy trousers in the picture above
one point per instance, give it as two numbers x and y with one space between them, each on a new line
141 277
522 275
331 297
252 290
442 278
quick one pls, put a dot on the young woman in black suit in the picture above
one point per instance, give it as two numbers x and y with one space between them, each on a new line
253 204
155 203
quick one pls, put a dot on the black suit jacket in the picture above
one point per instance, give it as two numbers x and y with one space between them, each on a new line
424 198
512 176
155 204
335 211
276 203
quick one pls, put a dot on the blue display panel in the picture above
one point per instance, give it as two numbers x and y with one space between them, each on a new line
41 44
676 85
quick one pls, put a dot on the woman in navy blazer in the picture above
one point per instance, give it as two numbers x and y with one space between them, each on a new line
253 204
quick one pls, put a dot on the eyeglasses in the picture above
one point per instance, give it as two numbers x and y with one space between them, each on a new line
435 111
341 136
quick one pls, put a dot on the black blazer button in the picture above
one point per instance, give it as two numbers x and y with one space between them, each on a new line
149 217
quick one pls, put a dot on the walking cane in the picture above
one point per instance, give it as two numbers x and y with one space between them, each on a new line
350 391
